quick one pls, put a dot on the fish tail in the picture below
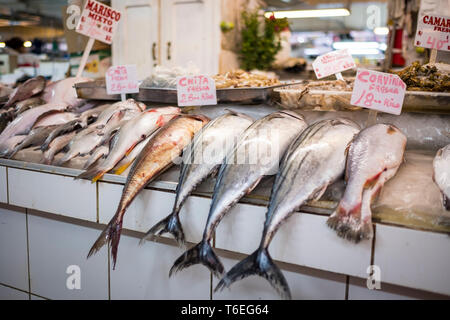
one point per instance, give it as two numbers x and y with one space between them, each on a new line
349 225
201 253
110 235
170 224
65 158
258 263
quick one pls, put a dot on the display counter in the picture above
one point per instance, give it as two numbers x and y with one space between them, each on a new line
411 250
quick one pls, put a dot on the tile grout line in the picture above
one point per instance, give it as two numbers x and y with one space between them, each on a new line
7 186
372 255
97 201
28 253
347 286
11 287
109 274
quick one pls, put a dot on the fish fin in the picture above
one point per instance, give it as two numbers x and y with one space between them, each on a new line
170 224
131 148
201 253
258 263
253 186
93 174
349 225
110 235
446 202
160 121
122 168
319 193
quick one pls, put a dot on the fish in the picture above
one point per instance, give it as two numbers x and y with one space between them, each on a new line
26 90
81 122
98 153
24 122
12 142
312 162
200 159
56 118
128 159
158 155
6 116
35 138
87 140
55 146
374 157
256 154
441 174
26 104
63 92
130 134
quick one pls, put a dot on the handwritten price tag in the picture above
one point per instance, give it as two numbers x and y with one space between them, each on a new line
98 21
379 91
333 62
433 32
122 79
196 91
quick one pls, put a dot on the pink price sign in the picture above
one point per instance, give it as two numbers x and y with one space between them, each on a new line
121 79
378 91
433 32
98 21
196 91
333 62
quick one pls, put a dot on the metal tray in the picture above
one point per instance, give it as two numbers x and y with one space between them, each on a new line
301 97
96 90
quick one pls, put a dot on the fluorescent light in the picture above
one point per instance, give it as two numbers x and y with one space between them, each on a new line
355 45
292 14
2 44
27 44
381 31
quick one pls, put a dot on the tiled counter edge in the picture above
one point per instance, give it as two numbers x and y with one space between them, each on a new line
305 241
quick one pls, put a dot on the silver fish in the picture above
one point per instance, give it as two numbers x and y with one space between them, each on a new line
203 156
441 174
23 123
26 90
12 142
374 157
128 159
96 154
131 133
55 146
35 138
313 161
56 118
256 154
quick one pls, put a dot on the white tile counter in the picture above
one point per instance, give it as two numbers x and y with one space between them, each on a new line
37 247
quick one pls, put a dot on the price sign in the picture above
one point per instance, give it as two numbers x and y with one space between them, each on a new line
433 32
196 91
121 80
378 91
333 62
98 21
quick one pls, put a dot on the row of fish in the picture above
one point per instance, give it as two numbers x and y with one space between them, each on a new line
306 160
239 151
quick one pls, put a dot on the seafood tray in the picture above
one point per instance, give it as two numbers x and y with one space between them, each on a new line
306 97
96 90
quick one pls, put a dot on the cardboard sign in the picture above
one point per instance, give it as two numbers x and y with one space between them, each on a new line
433 32
378 91
98 21
196 91
122 79
333 62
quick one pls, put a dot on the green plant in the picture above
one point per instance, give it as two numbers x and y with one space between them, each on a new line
259 47
226 26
